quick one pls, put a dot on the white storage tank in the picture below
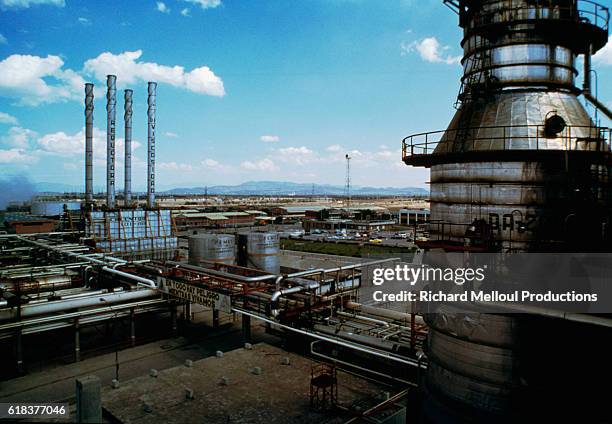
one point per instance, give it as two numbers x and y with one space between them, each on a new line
259 250
53 207
219 248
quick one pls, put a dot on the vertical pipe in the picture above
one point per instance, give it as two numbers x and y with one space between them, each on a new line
188 311
111 109
151 145
89 108
246 328
215 317
77 341
586 86
132 327
173 320
127 187
19 351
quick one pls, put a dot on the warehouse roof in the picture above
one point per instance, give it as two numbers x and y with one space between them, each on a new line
212 216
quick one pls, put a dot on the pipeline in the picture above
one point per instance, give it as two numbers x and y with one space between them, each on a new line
139 280
313 334
63 305
70 315
332 359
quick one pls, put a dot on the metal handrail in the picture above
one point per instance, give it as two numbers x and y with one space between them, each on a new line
586 10
425 143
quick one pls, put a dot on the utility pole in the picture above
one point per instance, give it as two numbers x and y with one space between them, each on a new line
347 188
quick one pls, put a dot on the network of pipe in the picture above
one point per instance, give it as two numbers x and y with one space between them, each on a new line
51 281
111 133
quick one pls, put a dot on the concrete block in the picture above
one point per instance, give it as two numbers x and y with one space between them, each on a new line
248 346
115 383
147 407
224 381
88 400
189 394
153 372
256 370
219 354
285 361
188 363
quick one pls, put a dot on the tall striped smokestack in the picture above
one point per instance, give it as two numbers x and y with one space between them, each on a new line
127 195
151 146
89 108
111 109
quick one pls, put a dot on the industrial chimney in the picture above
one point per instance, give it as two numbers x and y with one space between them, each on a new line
111 105
128 148
151 145
89 108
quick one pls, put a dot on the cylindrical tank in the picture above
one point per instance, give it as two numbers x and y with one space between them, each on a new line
521 167
53 208
521 162
219 248
259 250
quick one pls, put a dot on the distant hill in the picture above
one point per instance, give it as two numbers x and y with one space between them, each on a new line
249 188
44 187
289 188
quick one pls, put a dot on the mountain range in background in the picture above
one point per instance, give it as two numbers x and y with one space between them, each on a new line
259 188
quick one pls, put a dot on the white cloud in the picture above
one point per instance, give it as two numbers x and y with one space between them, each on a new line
84 21
3 39
185 12
264 165
334 148
19 137
171 134
67 145
24 4
16 156
174 166
430 50
35 80
5 118
269 138
604 56
129 70
161 7
297 155
205 4
211 164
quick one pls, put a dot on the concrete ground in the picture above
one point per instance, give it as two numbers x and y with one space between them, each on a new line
54 381
242 386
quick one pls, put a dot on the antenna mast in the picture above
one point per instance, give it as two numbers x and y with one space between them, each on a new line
347 188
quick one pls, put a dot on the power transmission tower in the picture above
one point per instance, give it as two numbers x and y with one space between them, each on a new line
347 188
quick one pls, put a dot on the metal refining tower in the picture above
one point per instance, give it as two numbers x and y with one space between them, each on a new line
520 168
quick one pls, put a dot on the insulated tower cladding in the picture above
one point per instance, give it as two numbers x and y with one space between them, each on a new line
89 108
152 87
521 165
520 168
127 195
111 109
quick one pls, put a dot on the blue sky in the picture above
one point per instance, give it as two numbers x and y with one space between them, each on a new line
248 90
